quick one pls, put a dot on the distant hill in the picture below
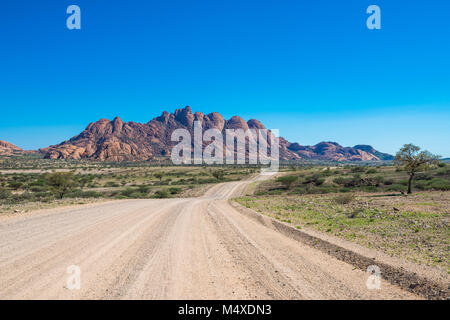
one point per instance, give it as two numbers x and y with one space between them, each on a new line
116 140
8 149
378 154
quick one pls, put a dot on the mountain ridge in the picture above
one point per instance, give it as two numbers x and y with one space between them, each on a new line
116 140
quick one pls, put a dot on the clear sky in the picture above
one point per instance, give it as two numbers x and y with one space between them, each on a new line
309 68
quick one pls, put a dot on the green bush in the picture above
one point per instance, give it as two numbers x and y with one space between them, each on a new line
314 179
38 189
4 193
15 185
111 184
439 184
287 181
161 194
174 190
396 187
357 169
421 185
443 171
423 176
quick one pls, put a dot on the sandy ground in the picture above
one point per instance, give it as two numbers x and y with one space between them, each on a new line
193 248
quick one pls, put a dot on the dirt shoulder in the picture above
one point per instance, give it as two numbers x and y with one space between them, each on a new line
427 281
413 227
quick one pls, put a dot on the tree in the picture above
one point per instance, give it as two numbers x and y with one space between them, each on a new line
218 174
287 181
159 175
413 160
60 182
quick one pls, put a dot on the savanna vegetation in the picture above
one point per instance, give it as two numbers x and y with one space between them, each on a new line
401 208
40 183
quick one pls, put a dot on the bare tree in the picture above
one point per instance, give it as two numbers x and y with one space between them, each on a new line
413 160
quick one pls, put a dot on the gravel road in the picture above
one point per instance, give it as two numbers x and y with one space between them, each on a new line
193 248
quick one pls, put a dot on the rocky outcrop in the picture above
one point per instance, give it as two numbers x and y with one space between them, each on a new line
8 149
116 140
371 150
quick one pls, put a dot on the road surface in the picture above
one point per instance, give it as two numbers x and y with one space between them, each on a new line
196 248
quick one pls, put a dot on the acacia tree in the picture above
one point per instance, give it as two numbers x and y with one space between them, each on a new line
60 182
287 181
413 160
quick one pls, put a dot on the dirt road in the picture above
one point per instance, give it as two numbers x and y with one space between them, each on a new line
196 248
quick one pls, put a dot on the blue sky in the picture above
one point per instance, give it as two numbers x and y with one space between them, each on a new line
310 68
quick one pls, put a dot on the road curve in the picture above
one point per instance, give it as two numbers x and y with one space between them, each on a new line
196 248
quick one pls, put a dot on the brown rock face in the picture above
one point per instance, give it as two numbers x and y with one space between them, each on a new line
116 140
8 149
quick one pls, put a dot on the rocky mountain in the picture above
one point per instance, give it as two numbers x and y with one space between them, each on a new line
8 149
378 154
116 140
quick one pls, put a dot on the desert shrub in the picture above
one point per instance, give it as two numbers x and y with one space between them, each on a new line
111 184
443 171
369 188
15 185
38 188
287 181
344 198
388 182
396 187
4 193
175 190
424 176
355 181
440 184
378 180
421 185
315 179
357 169
137 195
218 174
326 173
319 181
161 194
371 171
38 183
143 189
128 192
